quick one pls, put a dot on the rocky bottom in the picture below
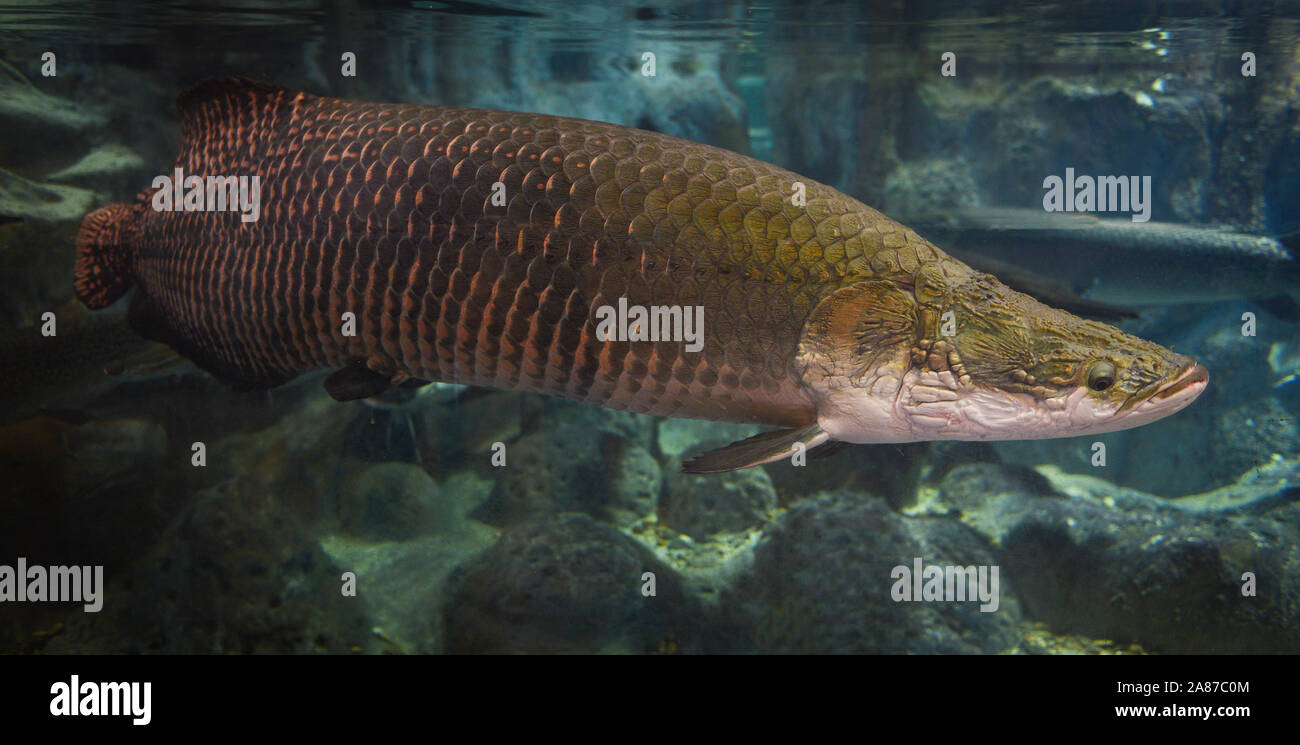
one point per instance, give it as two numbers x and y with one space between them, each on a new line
589 539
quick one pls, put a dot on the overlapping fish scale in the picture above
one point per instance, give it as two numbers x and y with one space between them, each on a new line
387 212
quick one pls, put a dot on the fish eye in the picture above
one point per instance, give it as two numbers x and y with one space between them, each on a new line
1101 375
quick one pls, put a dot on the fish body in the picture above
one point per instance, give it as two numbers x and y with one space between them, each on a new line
1121 262
480 247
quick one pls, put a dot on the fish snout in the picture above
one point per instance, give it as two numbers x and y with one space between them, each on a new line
1191 379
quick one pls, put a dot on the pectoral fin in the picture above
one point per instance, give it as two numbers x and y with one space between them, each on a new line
761 448
356 381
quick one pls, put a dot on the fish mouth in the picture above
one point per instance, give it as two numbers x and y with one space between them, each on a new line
1191 379
1177 391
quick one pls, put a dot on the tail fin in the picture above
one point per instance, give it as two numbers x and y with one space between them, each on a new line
103 271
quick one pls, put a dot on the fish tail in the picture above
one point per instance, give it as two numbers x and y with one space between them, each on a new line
104 252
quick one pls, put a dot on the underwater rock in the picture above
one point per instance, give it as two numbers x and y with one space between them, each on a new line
635 480
405 584
890 471
1215 445
474 424
1282 184
822 581
685 97
40 128
827 104
1145 459
1165 578
393 425
1238 363
29 200
565 583
1140 458
990 498
949 454
109 169
379 434
915 188
1284 362
439 426
109 449
235 573
289 442
676 436
392 502
36 256
575 459
546 413
24 103
1011 126
1250 434
547 472
66 374
1258 491
702 505
1181 159
692 102
468 491
100 489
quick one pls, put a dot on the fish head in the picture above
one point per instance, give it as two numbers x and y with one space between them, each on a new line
967 358
1035 371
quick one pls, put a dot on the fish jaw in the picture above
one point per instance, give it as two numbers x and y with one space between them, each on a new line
917 405
1166 399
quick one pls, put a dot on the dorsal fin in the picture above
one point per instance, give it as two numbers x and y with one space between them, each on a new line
225 120
228 88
